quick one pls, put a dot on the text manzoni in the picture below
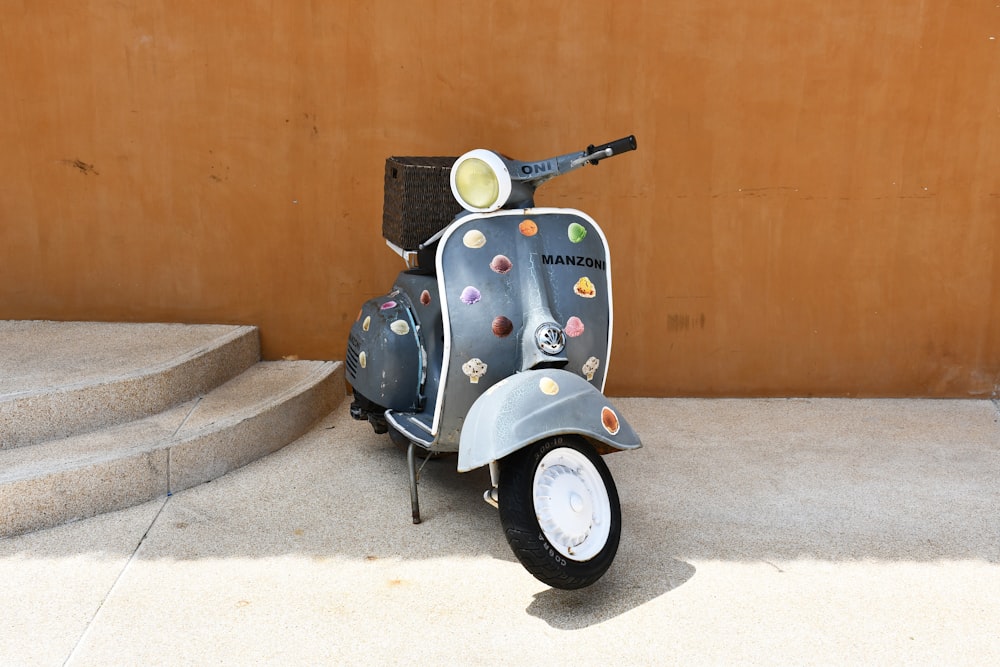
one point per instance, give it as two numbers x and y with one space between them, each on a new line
575 260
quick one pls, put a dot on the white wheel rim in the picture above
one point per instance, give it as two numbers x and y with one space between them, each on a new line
572 504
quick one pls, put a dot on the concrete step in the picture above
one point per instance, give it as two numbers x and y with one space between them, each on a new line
62 378
258 412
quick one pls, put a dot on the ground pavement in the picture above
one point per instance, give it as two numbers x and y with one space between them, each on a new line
789 532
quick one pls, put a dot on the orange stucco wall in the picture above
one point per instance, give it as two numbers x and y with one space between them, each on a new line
813 208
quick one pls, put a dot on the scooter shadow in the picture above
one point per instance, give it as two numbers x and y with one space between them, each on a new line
633 580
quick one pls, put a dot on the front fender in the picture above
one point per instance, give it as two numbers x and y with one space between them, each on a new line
534 405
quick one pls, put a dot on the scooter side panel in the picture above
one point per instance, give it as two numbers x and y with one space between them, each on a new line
500 275
384 353
535 405
422 292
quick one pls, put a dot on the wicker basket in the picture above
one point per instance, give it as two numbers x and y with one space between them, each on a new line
418 200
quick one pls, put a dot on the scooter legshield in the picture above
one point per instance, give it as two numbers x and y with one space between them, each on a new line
535 405
507 278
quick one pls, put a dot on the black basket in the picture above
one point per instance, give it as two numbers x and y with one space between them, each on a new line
418 200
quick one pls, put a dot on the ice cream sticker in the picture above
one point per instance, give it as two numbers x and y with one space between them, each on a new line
574 327
367 323
387 305
585 288
474 239
609 420
502 326
590 368
474 368
470 295
576 232
363 359
501 264
400 327
528 228
548 386
425 298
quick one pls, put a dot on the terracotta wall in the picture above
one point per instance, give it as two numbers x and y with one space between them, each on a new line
813 208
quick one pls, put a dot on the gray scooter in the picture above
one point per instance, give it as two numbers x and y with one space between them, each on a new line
494 344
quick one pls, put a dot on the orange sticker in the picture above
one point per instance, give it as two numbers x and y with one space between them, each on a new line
528 228
609 420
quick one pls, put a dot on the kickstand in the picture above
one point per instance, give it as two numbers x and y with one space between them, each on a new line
411 461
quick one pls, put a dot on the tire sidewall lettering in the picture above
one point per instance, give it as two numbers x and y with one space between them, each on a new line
550 550
552 443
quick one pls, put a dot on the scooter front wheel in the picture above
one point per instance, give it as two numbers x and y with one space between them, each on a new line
560 511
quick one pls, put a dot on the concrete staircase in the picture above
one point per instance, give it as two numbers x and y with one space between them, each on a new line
96 417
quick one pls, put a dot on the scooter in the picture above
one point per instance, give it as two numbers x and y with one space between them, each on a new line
494 344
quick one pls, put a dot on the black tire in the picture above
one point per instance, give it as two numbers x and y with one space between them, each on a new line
556 557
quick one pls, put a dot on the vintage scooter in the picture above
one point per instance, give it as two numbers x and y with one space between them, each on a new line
495 344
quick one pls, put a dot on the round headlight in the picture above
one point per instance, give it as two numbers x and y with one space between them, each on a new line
480 181
476 183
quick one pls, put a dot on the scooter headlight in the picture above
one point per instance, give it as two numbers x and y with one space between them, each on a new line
480 181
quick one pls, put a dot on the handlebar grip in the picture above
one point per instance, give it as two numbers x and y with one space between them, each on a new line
617 146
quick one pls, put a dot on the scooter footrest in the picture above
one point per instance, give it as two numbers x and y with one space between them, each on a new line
412 426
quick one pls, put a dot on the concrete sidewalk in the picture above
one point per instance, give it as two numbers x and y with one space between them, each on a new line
787 532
